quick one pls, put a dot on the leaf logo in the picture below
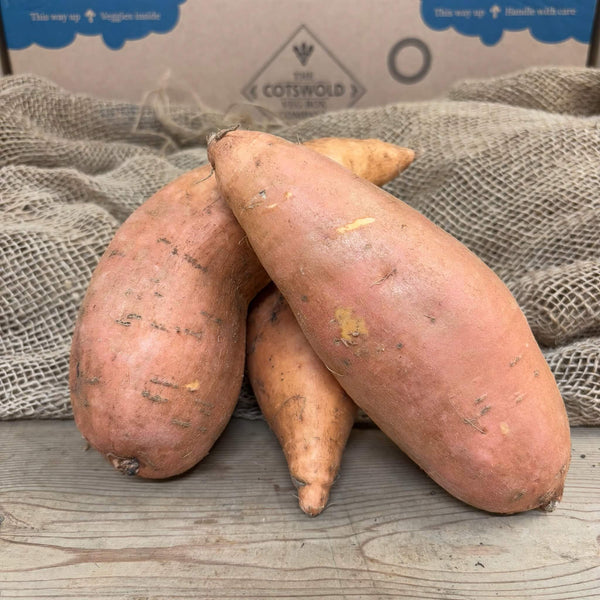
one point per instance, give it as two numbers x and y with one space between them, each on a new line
303 52
296 92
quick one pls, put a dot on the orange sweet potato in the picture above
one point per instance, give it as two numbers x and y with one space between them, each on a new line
302 402
421 334
372 159
157 356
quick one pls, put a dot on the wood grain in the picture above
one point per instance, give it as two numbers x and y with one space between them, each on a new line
231 528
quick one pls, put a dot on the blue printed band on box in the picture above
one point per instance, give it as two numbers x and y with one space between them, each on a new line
55 23
548 21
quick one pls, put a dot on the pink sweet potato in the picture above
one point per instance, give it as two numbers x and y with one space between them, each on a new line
157 356
421 334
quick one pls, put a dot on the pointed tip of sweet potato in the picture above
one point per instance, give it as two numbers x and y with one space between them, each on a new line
313 498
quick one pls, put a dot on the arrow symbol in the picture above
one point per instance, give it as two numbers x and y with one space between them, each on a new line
90 15
495 10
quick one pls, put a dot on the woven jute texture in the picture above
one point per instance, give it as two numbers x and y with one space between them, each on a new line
510 166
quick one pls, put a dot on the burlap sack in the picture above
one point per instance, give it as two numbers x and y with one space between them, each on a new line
510 166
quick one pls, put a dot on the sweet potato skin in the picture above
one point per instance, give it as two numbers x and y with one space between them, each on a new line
157 355
302 402
421 334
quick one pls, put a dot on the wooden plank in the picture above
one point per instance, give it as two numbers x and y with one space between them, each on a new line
231 528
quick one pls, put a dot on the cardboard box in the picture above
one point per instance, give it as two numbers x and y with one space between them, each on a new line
295 59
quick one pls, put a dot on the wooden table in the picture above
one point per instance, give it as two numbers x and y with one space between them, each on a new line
231 528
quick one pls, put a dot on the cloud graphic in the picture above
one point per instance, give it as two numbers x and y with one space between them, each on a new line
55 23
549 21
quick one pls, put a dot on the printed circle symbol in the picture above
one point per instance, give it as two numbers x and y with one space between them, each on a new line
397 48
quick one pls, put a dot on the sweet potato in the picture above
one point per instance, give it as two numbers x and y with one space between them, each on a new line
371 159
302 402
157 356
421 334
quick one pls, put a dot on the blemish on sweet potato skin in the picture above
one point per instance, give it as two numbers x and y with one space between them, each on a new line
153 397
351 325
355 224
